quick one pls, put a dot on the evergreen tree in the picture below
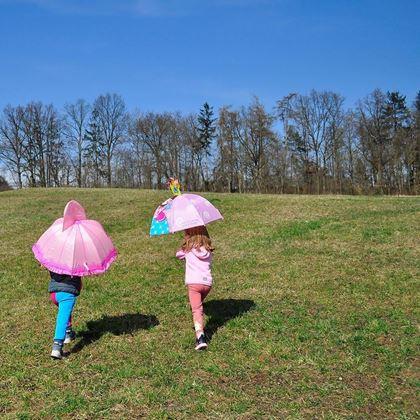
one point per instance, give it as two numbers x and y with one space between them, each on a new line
206 131
396 110
206 127
417 102
397 117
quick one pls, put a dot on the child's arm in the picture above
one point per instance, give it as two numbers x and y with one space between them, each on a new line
201 253
180 254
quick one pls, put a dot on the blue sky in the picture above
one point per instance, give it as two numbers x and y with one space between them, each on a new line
176 54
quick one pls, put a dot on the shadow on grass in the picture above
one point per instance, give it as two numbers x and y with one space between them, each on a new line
221 311
117 325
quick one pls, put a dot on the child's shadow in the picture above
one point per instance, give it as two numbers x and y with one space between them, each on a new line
220 311
117 325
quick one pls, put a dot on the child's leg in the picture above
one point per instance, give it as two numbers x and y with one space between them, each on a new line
65 302
197 293
53 299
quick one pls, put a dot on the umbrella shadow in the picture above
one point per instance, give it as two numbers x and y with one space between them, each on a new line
220 311
117 325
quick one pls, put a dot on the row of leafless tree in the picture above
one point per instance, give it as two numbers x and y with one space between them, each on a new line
306 144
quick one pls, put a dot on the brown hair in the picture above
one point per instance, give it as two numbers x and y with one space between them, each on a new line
197 237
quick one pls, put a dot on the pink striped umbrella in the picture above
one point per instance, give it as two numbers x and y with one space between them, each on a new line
74 245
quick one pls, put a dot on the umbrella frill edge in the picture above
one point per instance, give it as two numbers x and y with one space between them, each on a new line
81 272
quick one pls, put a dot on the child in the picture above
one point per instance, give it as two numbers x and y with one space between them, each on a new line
197 252
63 290
72 247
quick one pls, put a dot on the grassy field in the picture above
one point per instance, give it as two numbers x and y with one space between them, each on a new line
313 314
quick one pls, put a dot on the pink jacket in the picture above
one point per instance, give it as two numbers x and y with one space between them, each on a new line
197 266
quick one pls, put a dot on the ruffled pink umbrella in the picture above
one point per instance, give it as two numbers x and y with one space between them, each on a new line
74 245
183 212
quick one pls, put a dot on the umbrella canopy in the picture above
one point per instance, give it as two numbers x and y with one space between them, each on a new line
74 245
183 212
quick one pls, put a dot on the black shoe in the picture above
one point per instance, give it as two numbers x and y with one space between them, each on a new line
200 343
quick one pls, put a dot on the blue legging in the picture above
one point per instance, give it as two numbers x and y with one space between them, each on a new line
65 302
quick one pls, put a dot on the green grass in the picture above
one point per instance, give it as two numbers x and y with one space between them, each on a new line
313 313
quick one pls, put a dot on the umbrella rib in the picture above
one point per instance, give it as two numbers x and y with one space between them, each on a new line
83 244
94 235
62 249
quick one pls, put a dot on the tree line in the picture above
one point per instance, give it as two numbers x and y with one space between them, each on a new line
304 144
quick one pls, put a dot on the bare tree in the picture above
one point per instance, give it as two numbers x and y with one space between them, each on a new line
141 159
413 154
350 150
35 145
112 121
313 126
255 135
193 153
374 136
227 174
76 119
153 131
12 141
44 149
333 150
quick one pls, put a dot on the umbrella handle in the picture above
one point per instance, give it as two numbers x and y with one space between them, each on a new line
86 266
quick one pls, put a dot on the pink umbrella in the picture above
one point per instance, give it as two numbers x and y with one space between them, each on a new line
183 212
74 245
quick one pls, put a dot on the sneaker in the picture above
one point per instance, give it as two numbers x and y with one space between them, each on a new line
70 335
57 350
200 343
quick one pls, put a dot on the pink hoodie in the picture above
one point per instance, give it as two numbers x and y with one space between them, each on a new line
198 266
